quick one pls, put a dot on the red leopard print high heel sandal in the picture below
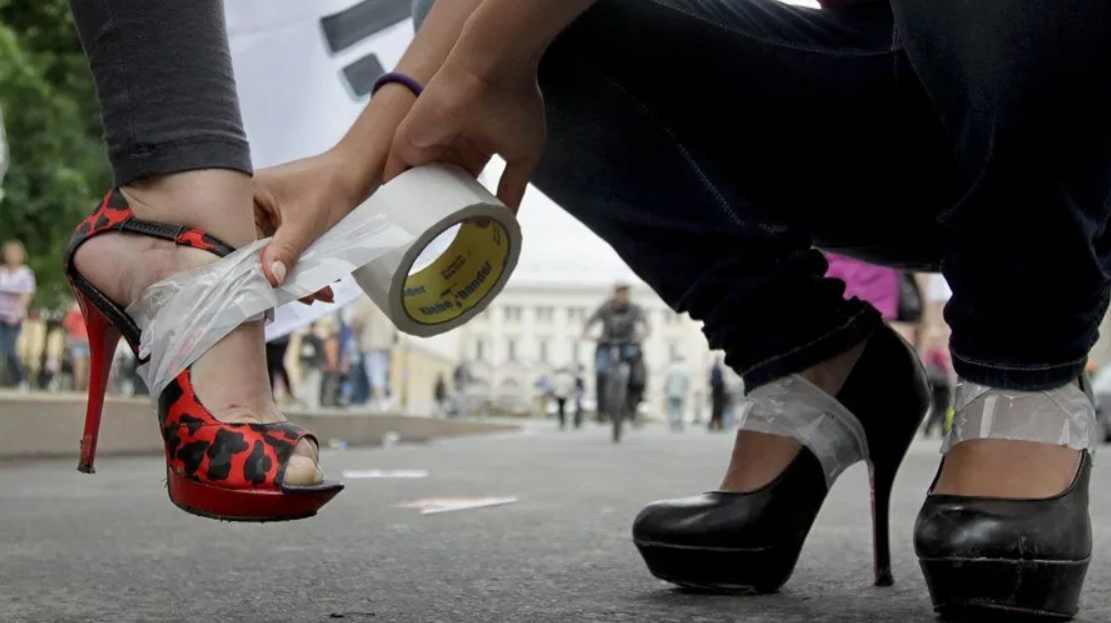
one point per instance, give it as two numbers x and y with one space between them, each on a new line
223 470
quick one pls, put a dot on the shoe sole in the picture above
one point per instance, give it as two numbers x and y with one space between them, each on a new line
987 589
731 571
254 506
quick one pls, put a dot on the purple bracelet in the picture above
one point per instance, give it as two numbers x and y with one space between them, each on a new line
399 78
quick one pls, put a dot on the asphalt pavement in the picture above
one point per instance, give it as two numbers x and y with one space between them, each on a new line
111 548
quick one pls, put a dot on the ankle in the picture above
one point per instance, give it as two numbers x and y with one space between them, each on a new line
831 374
1007 469
758 459
217 201
110 263
236 393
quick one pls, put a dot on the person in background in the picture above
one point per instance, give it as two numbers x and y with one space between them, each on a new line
623 322
440 393
119 384
311 357
734 394
349 360
939 373
935 348
935 331
718 396
77 338
55 365
17 286
275 365
896 295
543 394
676 386
699 403
330 330
580 392
563 388
376 336
462 377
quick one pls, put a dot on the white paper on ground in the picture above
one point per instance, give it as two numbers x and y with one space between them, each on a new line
432 506
356 474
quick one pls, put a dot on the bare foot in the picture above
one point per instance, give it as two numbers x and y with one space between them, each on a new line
1007 469
758 458
231 378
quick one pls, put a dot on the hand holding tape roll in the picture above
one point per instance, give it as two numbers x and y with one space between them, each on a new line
421 204
379 242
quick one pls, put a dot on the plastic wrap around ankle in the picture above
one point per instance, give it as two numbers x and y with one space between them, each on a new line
186 314
794 407
1064 416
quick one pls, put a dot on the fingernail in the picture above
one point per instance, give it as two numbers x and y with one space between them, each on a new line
278 269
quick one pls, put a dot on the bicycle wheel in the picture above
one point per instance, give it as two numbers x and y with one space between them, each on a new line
618 397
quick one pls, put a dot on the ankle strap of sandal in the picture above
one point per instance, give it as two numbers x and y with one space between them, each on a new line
114 214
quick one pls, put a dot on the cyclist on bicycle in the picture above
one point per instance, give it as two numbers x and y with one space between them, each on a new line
623 322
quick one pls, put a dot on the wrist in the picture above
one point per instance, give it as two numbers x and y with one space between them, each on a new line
360 156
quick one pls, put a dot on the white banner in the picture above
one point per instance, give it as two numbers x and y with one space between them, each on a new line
304 71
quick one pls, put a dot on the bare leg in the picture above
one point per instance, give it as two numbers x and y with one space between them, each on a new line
759 457
231 379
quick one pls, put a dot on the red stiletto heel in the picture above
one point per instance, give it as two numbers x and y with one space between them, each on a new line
223 470
103 337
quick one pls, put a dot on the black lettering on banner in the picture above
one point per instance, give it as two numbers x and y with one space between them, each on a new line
417 291
350 26
357 23
363 73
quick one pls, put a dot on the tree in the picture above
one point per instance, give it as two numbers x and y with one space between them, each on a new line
57 162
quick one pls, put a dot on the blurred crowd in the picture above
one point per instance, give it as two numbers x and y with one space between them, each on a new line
344 359
911 303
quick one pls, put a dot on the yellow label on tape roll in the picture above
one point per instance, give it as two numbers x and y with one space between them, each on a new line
461 277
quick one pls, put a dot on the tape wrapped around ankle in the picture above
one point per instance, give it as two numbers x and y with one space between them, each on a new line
794 407
1064 416
185 315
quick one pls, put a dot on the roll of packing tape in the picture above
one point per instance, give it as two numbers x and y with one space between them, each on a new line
427 202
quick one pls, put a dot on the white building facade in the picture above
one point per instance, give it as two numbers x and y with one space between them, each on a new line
535 328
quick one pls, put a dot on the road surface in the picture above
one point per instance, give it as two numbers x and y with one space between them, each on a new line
111 548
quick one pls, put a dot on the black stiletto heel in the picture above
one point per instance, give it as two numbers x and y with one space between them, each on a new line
882 481
749 542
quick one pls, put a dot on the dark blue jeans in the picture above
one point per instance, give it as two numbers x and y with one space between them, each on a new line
716 144
9 360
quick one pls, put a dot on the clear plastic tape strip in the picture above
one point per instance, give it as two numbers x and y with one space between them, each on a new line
795 407
1064 416
184 315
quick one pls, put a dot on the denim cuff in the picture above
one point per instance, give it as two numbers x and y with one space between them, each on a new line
830 344
1029 378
